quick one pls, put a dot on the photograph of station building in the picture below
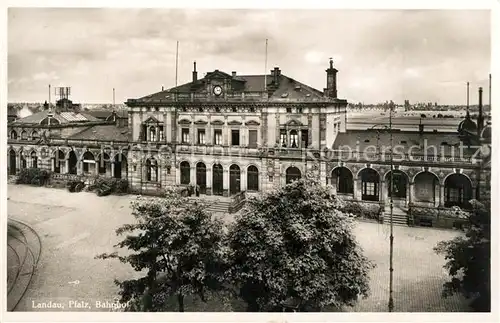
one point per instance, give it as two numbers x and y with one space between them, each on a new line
229 133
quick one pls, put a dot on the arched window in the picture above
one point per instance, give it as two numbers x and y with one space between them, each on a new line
294 139
185 173
292 174
24 163
252 178
13 134
426 187
151 170
58 161
217 179
34 135
201 177
24 135
369 185
34 159
399 182
12 162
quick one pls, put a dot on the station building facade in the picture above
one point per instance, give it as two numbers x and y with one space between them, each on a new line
229 133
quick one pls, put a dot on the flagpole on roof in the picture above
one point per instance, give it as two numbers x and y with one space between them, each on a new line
176 62
265 71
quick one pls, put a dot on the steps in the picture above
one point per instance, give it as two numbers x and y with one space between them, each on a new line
399 216
216 205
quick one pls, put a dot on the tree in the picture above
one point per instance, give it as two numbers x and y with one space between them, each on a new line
293 245
468 260
178 246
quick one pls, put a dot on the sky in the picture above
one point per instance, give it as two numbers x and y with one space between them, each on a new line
419 55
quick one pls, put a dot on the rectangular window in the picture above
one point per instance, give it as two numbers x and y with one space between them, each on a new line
283 139
161 135
144 133
201 136
369 188
185 135
454 195
235 137
305 138
252 138
217 136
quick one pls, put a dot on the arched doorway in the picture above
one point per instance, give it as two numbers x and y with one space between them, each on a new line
121 168
185 173
252 178
292 174
234 179
398 189
201 177
217 179
34 159
343 180
58 161
13 134
88 161
72 162
12 162
457 191
370 180
426 187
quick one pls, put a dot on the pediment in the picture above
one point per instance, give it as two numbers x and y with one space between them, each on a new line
184 121
294 122
217 122
151 120
217 75
234 123
200 122
252 123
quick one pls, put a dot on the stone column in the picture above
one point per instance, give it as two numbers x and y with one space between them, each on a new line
209 180
192 174
441 195
383 191
357 189
225 181
410 193
243 179
52 164
112 169
66 167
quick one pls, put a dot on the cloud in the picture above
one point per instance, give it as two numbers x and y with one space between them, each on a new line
381 55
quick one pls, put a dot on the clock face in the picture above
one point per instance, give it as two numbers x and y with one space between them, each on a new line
217 90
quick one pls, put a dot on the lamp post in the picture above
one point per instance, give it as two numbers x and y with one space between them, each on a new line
391 208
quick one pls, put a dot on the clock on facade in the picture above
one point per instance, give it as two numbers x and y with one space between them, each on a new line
217 90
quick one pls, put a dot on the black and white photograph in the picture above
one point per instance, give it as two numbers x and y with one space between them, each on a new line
249 160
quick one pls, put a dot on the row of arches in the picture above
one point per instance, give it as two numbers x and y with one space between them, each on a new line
457 187
60 164
24 135
252 177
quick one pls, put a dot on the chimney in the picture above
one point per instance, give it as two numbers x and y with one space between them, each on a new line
195 73
233 73
276 73
480 119
331 81
162 88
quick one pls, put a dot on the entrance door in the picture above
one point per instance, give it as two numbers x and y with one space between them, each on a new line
234 180
201 177
217 179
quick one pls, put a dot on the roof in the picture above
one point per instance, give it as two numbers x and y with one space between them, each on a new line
62 117
11 111
104 114
361 139
286 89
103 132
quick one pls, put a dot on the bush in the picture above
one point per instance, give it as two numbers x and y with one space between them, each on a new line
365 210
33 176
105 186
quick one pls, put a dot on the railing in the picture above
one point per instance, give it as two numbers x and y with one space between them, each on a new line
238 201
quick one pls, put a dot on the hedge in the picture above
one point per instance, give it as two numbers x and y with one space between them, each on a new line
33 176
105 186
364 210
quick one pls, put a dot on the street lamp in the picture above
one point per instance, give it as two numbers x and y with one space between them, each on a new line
391 205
